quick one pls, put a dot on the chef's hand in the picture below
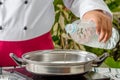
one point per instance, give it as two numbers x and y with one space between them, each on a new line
103 24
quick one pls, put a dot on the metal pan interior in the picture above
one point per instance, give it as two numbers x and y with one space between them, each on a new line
59 56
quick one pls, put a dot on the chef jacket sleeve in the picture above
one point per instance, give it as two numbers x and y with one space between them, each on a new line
80 7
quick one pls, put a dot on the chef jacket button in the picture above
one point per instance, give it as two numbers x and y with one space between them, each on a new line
1 28
1 3
25 28
26 1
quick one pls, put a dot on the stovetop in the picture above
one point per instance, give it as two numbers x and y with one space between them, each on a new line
23 74
91 76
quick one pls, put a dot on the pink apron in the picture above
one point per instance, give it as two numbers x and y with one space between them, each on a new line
20 47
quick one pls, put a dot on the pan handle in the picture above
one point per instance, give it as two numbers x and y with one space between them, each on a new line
99 60
18 61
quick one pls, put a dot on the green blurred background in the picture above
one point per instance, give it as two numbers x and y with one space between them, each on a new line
63 41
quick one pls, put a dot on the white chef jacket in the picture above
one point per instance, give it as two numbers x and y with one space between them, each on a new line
27 19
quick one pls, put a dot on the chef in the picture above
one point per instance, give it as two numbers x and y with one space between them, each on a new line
25 24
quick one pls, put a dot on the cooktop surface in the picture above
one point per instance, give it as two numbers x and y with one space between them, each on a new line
23 74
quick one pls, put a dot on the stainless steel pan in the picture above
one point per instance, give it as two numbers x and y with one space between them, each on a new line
59 62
